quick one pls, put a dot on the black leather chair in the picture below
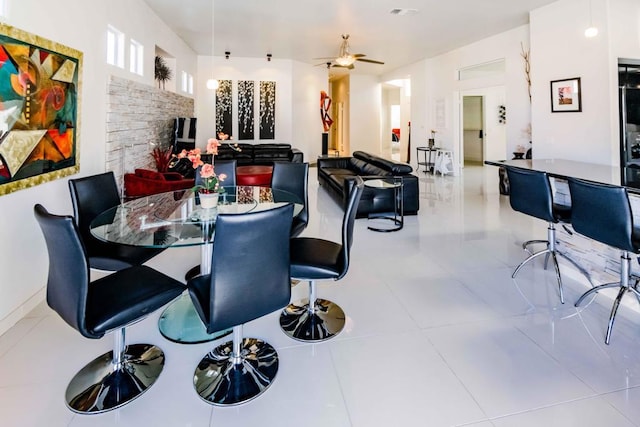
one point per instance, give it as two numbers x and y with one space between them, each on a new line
530 193
249 278
312 259
91 196
227 167
294 178
603 213
96 308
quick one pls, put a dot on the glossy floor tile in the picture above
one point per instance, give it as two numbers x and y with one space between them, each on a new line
437 334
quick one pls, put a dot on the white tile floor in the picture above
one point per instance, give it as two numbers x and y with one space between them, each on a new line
438 334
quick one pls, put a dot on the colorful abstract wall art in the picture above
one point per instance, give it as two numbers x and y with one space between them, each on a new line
39 109
267 110
224 108
246 90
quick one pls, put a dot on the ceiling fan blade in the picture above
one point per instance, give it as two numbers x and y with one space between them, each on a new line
359 55
371 61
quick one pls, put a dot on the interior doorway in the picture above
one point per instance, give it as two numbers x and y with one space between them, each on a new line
479 115
473 130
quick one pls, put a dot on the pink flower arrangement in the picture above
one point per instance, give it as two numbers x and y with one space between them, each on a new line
210 181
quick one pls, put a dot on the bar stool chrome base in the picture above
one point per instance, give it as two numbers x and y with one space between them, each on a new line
552 252
623 284
319 323
103 385
224 379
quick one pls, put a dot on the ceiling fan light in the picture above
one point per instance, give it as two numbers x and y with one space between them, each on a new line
345 60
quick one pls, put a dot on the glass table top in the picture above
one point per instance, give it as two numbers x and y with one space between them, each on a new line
176 218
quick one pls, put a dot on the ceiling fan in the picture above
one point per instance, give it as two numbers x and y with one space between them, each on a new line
345 58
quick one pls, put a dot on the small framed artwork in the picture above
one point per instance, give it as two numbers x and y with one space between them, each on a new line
566 96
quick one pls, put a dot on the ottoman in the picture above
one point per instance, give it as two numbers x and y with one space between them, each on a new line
254 175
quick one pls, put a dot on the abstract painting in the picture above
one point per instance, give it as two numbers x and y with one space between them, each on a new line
267 110
224 108
246 91
39 105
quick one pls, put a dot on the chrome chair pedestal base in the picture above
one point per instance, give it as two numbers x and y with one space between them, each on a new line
224 379
623 284
321 323
552 252
103 385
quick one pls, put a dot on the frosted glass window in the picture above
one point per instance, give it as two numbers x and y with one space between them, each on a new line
115 47
190 85
487 69
136 58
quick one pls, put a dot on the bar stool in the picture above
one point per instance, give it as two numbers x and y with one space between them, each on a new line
530 193
603 213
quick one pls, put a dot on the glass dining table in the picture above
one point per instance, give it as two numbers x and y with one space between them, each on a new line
176 219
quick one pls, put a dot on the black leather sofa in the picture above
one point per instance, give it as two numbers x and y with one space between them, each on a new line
259 154
336 176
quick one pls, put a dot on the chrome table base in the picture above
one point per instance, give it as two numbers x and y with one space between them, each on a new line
98 387
222 379
323 322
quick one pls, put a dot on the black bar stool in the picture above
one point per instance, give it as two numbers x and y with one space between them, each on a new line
530 193
603 213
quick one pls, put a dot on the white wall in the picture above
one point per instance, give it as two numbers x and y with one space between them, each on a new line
434 83
308 81
365 100
82 26
560 50
298 89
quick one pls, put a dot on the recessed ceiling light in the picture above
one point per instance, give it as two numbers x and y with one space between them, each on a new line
403 11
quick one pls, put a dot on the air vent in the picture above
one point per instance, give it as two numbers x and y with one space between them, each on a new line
403 12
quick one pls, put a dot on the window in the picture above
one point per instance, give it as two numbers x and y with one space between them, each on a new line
115 47
136 57
187 82
488 69
3 7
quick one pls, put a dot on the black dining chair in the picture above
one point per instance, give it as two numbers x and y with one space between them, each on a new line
105 305
603 213
294 178
249 279
227 167
530 193
316 319
90 196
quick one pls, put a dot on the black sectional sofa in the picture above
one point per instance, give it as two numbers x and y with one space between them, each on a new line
336 175
259 154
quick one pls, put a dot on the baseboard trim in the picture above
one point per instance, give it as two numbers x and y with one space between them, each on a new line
14 317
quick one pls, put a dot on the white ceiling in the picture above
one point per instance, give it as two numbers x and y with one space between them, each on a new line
307 29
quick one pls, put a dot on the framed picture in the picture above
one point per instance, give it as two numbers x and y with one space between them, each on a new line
39 104
566 96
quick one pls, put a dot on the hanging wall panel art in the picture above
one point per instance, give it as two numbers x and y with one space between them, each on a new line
39 104
267 110
246 91
224 108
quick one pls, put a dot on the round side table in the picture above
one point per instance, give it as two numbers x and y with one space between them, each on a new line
397 186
